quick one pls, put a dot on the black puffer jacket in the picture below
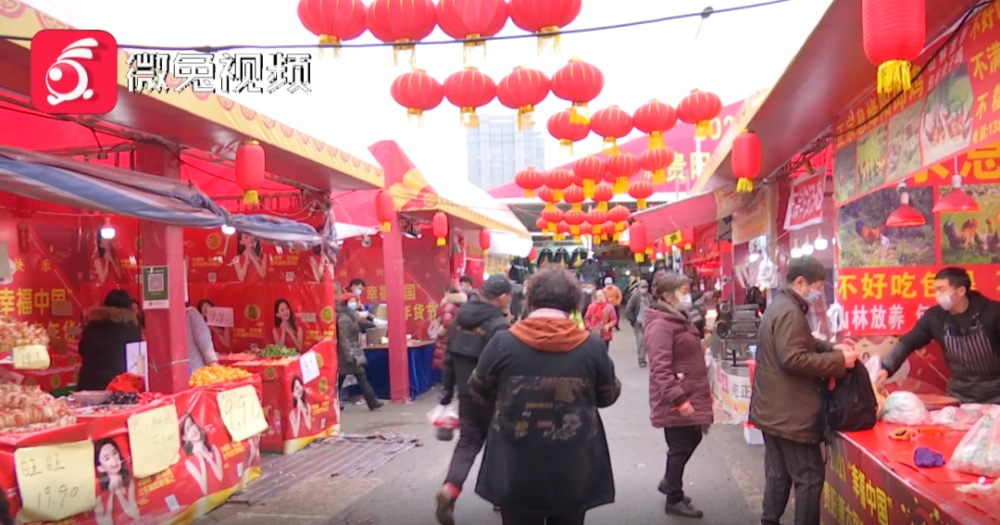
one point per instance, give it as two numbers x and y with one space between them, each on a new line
102 346
477 322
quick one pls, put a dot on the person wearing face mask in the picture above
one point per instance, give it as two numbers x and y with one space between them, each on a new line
787 403
967 326
635 312
349 352
614 295
601 318
465 283
357 287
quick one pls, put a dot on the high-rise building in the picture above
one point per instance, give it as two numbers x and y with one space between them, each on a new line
498 150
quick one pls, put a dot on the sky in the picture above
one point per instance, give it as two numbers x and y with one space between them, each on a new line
350 106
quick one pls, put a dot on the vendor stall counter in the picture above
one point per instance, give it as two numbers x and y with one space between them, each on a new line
422 374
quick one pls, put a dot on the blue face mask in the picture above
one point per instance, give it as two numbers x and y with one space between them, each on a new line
814 295
352 306
357 292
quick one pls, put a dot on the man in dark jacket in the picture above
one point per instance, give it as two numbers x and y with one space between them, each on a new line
465 283
638 301
102 343
476 324
787 402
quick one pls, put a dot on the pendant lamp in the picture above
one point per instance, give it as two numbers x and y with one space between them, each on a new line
956 200
807 248
821 243
906 215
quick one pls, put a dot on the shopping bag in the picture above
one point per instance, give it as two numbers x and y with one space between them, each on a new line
978 453
444 419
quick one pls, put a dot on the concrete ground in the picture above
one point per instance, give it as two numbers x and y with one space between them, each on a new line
724 478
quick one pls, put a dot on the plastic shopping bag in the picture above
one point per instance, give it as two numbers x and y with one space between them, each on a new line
904 408
979 453
444 419
873 365
958 418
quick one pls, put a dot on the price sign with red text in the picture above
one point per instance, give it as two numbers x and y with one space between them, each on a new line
805 207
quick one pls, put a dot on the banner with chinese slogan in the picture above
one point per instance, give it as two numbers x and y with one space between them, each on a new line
753 219
805 205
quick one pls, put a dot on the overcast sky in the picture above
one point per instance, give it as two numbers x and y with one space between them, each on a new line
350 106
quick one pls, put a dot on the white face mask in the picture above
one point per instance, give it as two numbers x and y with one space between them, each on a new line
607 282
684 301
946 301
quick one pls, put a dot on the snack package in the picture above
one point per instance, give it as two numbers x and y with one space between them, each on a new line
978 453
904 408
444 419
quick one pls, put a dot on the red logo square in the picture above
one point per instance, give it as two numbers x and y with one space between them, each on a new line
74 71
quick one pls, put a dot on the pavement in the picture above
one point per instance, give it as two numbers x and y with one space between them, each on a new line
724 478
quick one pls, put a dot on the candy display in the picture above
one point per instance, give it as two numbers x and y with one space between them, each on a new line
25 409
213 374
276 351
17 333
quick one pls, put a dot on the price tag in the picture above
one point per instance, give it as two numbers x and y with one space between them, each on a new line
155 440
241 412
55 481
309 365
31 357
219 316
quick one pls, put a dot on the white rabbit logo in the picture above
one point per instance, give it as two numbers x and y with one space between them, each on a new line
81 49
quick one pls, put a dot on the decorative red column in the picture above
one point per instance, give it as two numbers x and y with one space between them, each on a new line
162 245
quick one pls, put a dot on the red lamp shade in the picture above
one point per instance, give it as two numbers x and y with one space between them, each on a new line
333 21
654 118
623 165
553 217
440 227
640 190
597 218
544 16
465 19
385 210
638 240
523 89
619 214
603 195
533 254
470 89
656 161
575 218
250 170
893 33
562 126
698 109
558 179
417 92
484 240
574 195
612 123
591 170
547 195
529 179
401 23
746 160
905 215
578 82
956 200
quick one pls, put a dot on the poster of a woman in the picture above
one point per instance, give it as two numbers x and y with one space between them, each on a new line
117 484
301 412
106 263
222 337
319 262
286 332
250 258
202 456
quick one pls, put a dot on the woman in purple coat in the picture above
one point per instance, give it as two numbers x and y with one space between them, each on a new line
680 398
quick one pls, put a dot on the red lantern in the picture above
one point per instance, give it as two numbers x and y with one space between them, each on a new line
558 179
597 218
638 241
562 127
655 118
578 82
698 109
533 254
470 89
529 179
603 195
640 190
575 218
553 217
608 228
562 229
591 170
417 92
586 229
440 228
467 19
542 224
574 195
619 214
333 21
401 24
893 32
250 170
547 195
522 90
657 160
385 210
612 123
545 17
746 160
484 241
623 166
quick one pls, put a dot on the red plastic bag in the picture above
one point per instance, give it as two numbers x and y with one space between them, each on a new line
127 383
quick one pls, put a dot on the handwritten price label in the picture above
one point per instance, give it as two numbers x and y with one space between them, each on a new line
31 357
309 365
155 441
242 413
55 481
220 316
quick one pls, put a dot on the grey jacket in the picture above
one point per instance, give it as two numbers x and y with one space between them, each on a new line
636 307
201 349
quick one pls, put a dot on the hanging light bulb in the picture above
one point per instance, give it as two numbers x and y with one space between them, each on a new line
821 243
108 231
956 200
228 230
754 256
905 215
796 251
807 248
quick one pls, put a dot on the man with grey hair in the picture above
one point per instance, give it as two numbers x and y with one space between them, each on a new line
635 313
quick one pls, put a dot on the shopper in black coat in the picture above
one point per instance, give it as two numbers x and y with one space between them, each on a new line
102 344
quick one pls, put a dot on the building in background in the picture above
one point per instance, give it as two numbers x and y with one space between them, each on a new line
497 151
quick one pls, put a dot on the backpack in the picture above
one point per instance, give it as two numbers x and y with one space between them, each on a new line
851 404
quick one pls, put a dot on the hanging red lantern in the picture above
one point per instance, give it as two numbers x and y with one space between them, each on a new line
612 123
656 161
523 89
578 82
603 195
529 179
562 229
574 195
401 24
547 195
544 17
484 241
440 228
250 170
623 165
638 241
698 109
591 170
470 89
333 21
597 218
385 210
533 254
562 127
640 190
586 229
417 92
894 32
746 160
542 224
558 179
553 217
469 19
619 214
608 229
575 218
655 118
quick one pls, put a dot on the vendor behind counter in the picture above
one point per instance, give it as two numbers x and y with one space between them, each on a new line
967 326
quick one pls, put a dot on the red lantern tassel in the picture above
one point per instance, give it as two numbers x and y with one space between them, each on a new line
469 118
566 147
577 239
610 146
525 117
621 186
744 186
619 226
659 177
557 195
579 114
251 197
552 227
577 206
603 206
641 204
894 76
414 112
552 42
639 257
588 189
441 241
529 194
687 246
386 227
597 231
703 130
327 40
655 140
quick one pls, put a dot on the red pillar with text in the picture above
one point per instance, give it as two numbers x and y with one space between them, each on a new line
163 245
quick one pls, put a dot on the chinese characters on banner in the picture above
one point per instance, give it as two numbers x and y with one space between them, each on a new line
754 219
805 206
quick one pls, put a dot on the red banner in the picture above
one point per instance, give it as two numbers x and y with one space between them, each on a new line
805 206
